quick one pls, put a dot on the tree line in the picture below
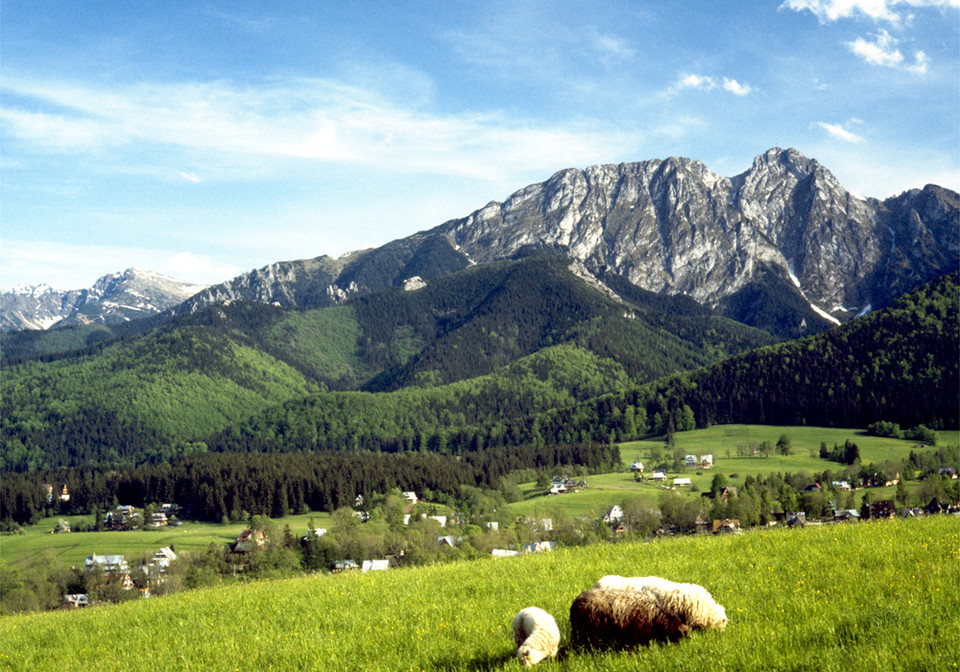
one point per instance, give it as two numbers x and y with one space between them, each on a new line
228 486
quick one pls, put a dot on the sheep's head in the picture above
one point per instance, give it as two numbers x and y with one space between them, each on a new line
529 656
720 618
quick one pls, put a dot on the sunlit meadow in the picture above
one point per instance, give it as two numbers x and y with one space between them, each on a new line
883 595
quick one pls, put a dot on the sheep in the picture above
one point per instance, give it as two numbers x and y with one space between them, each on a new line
536 634
692 603
622 618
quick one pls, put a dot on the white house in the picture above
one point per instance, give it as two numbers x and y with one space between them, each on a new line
539 547
636 466
658 476
681 483
691 460
108 563
411 497
613 515
375 566
706 461
503 553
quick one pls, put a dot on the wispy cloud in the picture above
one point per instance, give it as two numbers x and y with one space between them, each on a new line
707 83
312 119
883 51
735 87
827 11
841 132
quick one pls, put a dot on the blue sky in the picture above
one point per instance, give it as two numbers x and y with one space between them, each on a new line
204 139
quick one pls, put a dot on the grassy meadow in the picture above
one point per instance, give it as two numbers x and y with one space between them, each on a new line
883 595
607 489
72 549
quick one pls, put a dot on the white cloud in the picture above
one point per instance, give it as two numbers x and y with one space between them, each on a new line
840 132
190 177
66 265
233 128
883 51
707 83
696 82
735 87
827 11
196 266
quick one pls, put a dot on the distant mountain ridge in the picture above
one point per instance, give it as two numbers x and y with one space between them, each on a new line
782 246
783 238
113 299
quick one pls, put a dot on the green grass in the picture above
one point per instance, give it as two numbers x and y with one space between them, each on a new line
73 548
604 490
873 596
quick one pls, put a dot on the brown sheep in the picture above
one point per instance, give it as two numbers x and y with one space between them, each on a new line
622 618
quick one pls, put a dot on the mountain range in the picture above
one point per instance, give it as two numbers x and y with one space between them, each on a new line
113 299
782 246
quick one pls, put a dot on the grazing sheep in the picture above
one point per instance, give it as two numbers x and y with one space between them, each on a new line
621 618
536 634
689 601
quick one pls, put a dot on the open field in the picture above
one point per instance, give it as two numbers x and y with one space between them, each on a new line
607 489
73 548
883 595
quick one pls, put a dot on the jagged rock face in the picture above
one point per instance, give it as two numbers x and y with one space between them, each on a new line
673 226
114 298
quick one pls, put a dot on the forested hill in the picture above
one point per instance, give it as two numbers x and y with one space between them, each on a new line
901 365
514 338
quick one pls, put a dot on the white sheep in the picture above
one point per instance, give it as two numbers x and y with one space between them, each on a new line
536 634
691 602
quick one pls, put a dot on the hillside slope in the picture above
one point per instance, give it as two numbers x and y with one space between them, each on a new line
142 397
889 603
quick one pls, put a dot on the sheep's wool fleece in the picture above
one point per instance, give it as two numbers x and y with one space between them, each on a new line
622 618
536 634
691 602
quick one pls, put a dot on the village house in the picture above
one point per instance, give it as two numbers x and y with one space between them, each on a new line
344 566
846 516
690 461
158 519
503 553
411 497
448 540
63 526
613 515
726 526
682 482
375 566
706 461
797 519
883 508
75 600
110 565
63 496
658 476
539 547
636 466
249 541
